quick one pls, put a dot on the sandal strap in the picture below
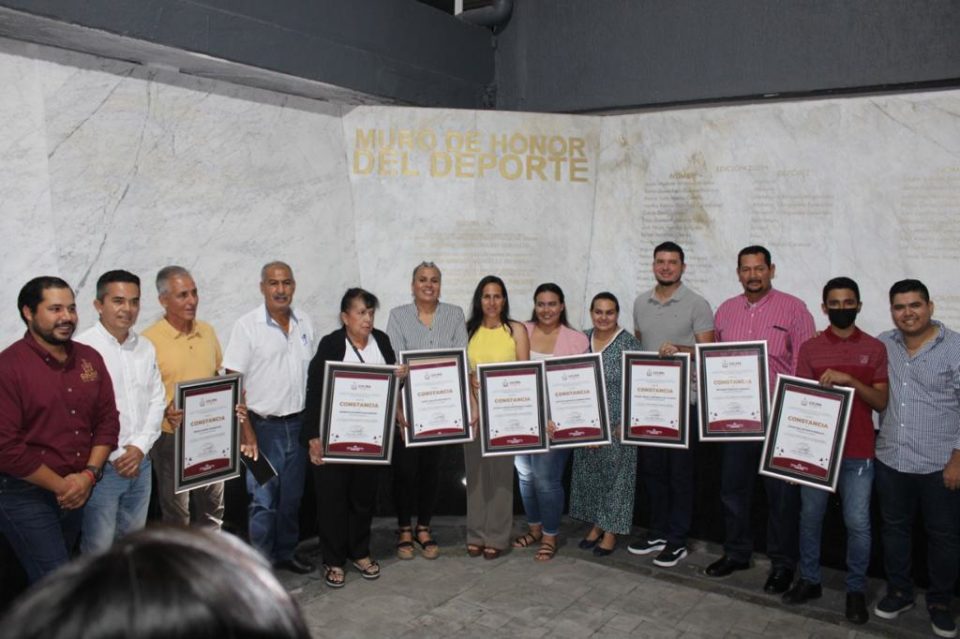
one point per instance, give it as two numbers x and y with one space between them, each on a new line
428 543
526 539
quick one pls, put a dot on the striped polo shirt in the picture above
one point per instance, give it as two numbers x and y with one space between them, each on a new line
921 427
781 319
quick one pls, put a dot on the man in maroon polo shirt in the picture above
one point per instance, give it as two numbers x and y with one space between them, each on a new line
58 424
843 355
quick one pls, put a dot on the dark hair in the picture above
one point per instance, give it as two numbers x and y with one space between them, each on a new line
669 247
550 287
605 295
755 249
476 308
841 283
910 286
369 299
111 277
161 582
32 292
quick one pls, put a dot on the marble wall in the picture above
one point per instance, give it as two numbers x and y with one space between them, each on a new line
105 164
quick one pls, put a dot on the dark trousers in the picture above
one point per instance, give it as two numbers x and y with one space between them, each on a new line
346 494
901 495
740 461
416 482
40 532
667 475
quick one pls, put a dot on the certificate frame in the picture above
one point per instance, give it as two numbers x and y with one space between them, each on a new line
457 430
358 378
788 430
582 434
712 426
632 430
493 444
209 412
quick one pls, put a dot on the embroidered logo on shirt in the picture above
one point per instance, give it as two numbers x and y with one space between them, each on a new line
87 372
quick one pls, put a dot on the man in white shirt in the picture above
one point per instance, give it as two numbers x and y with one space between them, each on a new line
119 502
272 346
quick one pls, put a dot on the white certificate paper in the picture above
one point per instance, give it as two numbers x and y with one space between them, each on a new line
574 388
806 432
436 398
357 413
733 393
656 399
513 408
207 430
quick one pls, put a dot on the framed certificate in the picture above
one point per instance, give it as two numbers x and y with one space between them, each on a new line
577 401
734 398
513 408
208 441
435 397
808 428
656 399
357 411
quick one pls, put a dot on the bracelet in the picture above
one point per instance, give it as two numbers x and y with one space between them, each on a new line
89 473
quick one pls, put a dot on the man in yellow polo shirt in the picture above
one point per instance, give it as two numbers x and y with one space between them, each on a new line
187 349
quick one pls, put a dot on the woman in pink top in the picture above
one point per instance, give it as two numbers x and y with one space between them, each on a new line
541 475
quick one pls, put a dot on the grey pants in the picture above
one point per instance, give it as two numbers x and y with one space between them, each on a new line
489 498
207 501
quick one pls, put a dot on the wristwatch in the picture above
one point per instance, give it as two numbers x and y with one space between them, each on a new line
97 473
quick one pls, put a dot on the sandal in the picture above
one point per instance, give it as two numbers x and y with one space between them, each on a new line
333 576
527 539
405 546
474 550
546 551
369 570
430 549
491 553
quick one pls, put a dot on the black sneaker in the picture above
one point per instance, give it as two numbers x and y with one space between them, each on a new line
670 556
942 621
893 605
646 546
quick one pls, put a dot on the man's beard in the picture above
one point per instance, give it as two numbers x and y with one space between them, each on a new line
49 337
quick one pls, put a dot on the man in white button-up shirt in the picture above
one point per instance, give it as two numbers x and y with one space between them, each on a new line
118 504
272 346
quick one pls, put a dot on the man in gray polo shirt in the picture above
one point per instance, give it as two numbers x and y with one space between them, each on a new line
670 318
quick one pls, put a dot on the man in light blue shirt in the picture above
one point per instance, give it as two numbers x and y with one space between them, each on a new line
918 454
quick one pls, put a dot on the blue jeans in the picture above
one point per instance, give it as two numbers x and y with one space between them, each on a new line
274 522
117 506
39 531
541 487
901 494
854 487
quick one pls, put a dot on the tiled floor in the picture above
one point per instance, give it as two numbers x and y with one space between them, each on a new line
575 595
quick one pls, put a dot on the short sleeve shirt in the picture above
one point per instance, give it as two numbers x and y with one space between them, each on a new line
184 356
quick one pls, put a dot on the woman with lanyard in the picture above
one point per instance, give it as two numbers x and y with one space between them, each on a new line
345 492
604 477
427 323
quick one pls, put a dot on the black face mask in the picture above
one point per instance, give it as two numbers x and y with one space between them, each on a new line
842 317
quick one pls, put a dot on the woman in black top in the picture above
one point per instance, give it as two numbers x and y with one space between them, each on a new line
346 493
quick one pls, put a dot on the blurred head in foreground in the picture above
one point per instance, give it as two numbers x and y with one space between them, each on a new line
160 582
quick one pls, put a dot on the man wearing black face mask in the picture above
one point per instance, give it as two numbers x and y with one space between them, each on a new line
843 355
